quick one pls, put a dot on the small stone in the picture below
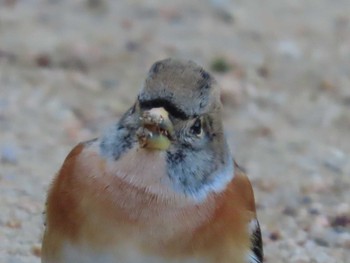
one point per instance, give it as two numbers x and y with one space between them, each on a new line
340 221
321 221
232 90
126 24
263 71
95 3
9 154
43 60
265 186
8 56
346 101
262 131
289 48
318 184
14 223
335 161
36 250
321 242
274 236
327 85
289 211
344 240
225 16
300 259
74 63
10 3
315 208
301 237
305 200
170 14
109 83
132 45
314 211
342 209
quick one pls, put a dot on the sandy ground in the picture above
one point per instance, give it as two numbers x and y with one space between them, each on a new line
68 69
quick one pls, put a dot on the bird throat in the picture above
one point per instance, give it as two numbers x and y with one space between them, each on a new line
146 170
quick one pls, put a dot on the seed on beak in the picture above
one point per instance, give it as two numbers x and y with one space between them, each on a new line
156 129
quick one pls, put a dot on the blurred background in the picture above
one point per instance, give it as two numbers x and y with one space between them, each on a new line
68 69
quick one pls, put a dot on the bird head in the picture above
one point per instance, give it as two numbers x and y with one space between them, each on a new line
178 112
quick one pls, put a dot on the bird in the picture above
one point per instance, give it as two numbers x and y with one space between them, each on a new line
160 185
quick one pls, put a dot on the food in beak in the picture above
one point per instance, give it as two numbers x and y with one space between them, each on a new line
156 129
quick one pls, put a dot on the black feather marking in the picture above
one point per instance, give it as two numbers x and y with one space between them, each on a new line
156 67
167 105
177 157
120 138
256 245
205 86
202 104
205 75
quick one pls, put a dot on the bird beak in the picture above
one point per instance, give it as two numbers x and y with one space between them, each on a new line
155 130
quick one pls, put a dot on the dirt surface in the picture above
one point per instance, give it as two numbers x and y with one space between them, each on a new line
68 69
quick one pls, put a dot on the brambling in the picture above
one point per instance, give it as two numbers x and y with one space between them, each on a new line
159 186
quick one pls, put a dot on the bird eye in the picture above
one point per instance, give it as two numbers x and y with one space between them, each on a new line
196 128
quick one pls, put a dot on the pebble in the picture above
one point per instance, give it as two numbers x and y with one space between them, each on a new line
318 184
301 258
265 186
8 56
289 48
343 208
335 161
344 240
263 71
346 101
321 242
232 90
9 154
301 237
132 45
289 211
261 131
96 4
305 200
43 60
14 223
36 250
127 24
328 85
316 208
340 221
275 235
321 221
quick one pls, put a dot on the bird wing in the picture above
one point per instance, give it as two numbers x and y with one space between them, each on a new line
256 253
256 248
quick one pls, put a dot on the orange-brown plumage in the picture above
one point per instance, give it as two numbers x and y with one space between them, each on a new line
87 204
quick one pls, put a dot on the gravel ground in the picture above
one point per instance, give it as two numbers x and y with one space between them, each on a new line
68 69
